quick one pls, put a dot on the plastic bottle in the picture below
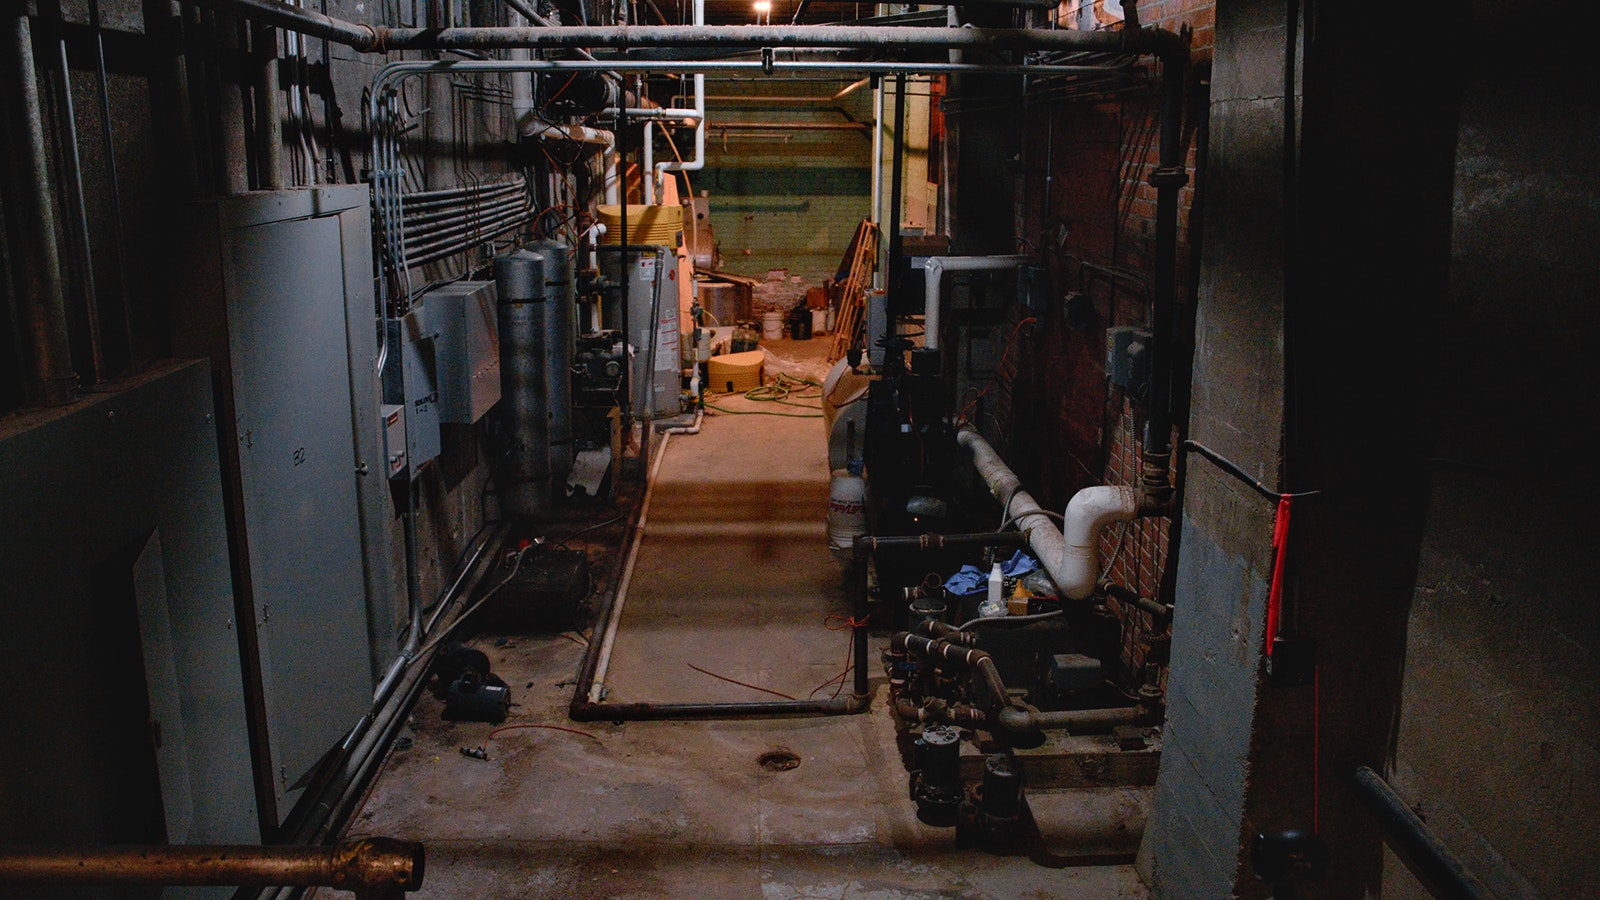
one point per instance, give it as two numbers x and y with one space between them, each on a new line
847 507
995 603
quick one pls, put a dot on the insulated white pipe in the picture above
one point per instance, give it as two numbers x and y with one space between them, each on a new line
1072 558
649 164
597 689
698 161
933 271
521 82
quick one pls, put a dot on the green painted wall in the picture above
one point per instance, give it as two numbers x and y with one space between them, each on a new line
786 197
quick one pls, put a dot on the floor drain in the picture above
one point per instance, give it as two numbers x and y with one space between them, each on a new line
779 760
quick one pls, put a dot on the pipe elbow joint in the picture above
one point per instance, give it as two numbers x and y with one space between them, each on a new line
1016 721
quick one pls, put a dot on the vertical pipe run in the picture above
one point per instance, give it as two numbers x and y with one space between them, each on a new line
41 302
80 236
1168 179
896 199
269 110
109 142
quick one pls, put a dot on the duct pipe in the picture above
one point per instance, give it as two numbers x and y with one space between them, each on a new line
1070 557
370 867
582 134
933 269
40 298
521 82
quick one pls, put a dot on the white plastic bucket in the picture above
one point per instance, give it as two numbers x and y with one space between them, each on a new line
771 325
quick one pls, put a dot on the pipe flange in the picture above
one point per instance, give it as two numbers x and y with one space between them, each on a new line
1172 176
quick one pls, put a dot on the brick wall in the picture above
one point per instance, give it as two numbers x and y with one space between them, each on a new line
1094 212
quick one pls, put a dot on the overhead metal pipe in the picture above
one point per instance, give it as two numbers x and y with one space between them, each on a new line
763 36
378 40
302 21
40 297
371 867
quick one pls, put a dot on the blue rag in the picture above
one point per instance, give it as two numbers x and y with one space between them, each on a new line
971 580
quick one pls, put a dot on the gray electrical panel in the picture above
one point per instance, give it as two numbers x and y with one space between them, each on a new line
410 379
278 292
462 317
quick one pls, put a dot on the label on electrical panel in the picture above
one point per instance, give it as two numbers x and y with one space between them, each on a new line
647 266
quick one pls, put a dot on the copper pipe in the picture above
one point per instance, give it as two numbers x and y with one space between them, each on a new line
371 868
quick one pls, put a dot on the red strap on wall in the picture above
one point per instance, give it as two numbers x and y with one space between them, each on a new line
1280 549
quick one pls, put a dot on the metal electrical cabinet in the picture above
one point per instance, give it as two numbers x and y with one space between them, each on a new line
463 318
411 381
278 292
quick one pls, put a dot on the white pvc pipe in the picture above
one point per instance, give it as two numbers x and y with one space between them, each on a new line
698 161
933 271
1072 558
597 689
521 82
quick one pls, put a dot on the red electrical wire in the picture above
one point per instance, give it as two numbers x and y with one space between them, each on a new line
738 682
1280 549
999 372
550 727
836 622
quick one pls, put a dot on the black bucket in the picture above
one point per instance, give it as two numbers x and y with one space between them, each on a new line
800 324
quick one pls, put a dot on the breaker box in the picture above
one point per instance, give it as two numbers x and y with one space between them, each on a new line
410 379
394 438
466 344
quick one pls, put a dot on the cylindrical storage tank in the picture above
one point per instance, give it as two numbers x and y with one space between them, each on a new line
656 376
520 283
844 413
560 337
728 303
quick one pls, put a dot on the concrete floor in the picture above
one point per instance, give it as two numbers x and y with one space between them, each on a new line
733 576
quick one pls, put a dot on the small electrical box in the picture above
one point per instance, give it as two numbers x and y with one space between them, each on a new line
394 438
1033 287
1128 359
410 379
1072 672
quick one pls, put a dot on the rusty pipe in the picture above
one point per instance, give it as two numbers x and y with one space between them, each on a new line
371 867
1077 721
979 663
